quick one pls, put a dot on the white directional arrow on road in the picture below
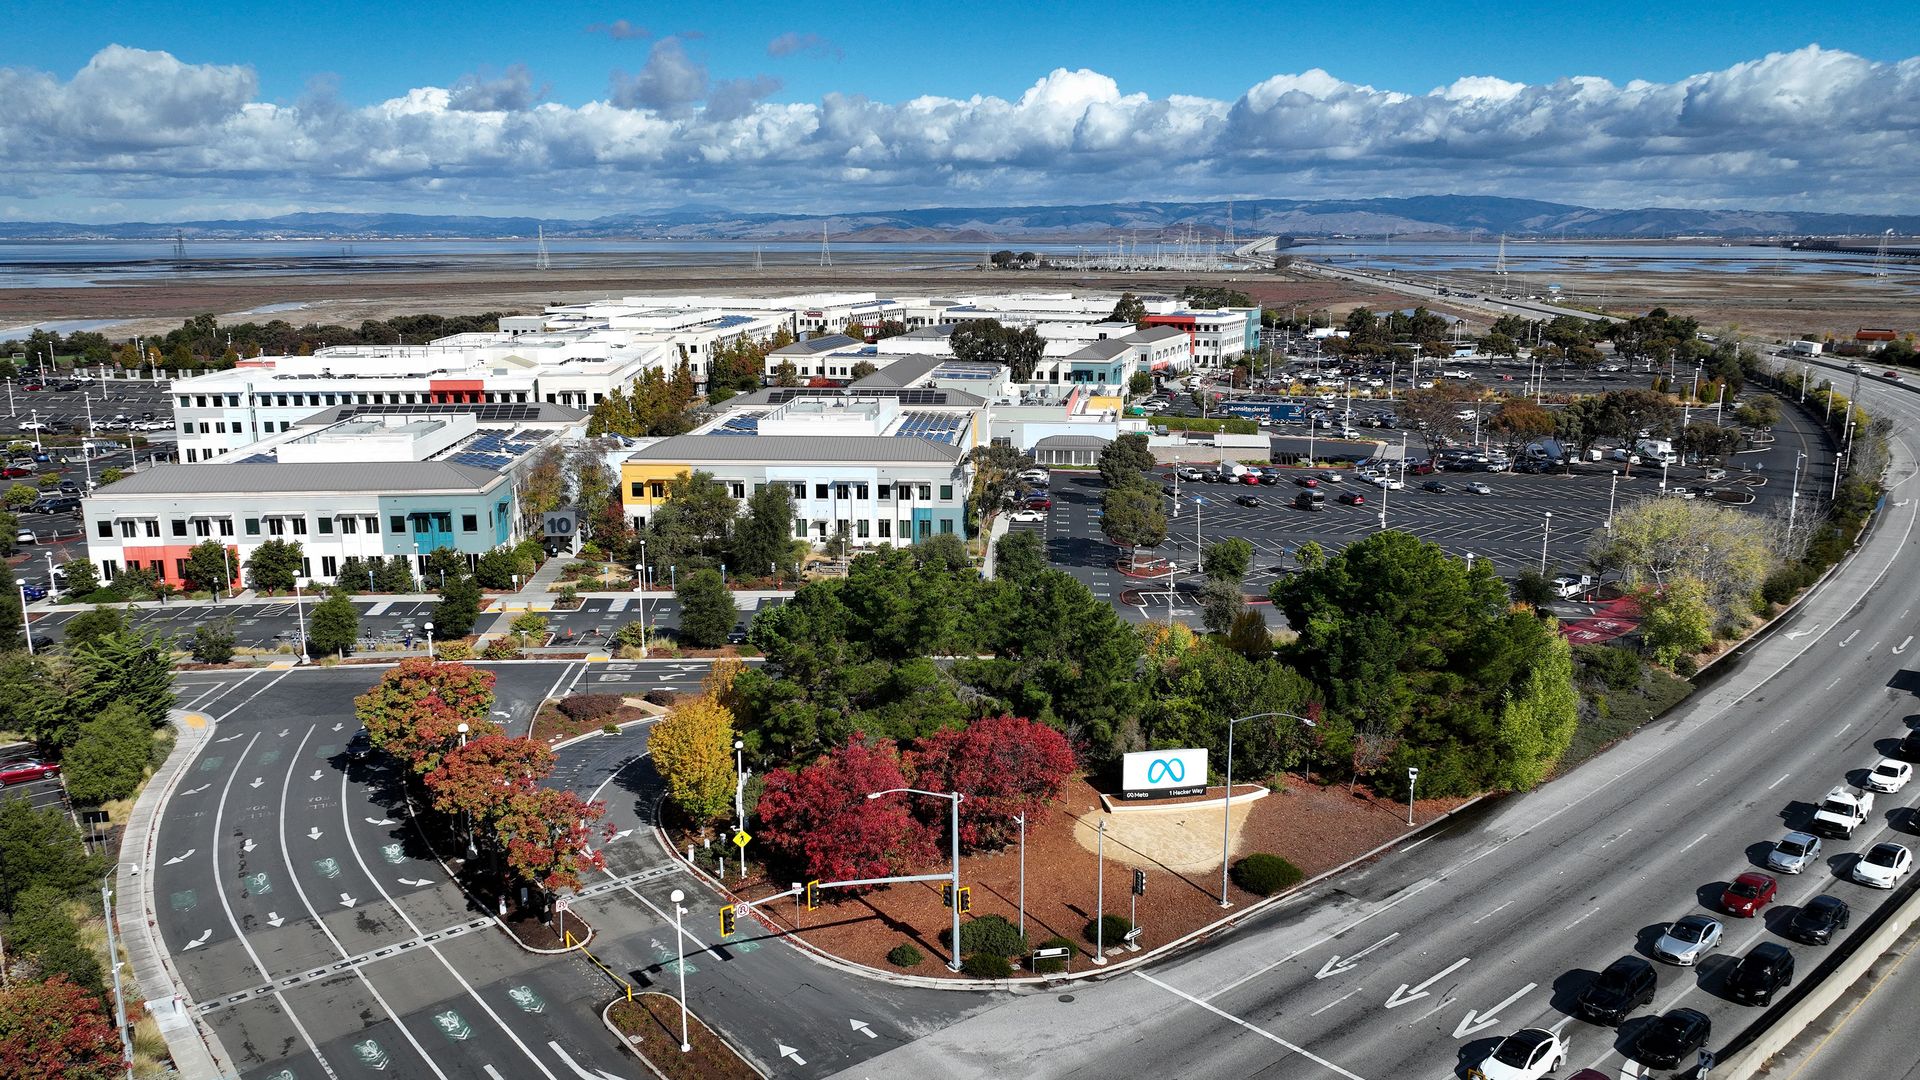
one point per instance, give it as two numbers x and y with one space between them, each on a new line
415 881
284 732
567 1060
347 900
314 833
274 920
789 1052
623 834
196 791
1476 1022
229 738
199 941
337 727
317 774
182 857
256 783
861 1027
380 821
1339 966
1798 634
502 712
247 848
1902 647
1402 996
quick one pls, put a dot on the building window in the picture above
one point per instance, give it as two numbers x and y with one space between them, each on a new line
324 524
329 566
372 523
841 491
226 526
885 492
152 526
469 522
306 567
946 492
109 569
276 526
859 491
104 529
299 525
179 527
819 491
886 528
202 527
180 569
860 528
656 490
443 522
799 491
639 489
926 529
349 524
926 491
946 526
396 523
800 528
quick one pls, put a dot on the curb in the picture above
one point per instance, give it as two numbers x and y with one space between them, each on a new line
791 935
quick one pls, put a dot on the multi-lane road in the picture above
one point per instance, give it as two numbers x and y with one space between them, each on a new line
1413 966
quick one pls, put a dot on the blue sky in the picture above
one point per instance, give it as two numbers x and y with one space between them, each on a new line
166 110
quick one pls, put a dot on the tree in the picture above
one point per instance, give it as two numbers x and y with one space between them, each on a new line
1220 603
496 569
1133 517
1128 310
820 819
1727 551
109 758
91 626
274 565
1676 620
764 537
458 609
692 747
481 779
415 710
212 643
546 835
543 483
82 577
707 609
42 847
861 370
392 575
12 621
1125 460
1229 560
42 937
694 527
208 568
21 496
123 666
1140 384
1005 766
55 1028
1018 557
336 625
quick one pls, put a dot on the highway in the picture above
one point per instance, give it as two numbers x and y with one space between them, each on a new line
1414 966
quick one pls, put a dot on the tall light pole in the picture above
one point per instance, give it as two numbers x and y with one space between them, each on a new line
954 797
1793 501
676 896
1021 820
1413 777
300 614
1226 805
429 628
1612 489
1546 530
640 586
473 850
119 1001
26 624
1099 896
739 802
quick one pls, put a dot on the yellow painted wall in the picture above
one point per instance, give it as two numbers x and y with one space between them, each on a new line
646 474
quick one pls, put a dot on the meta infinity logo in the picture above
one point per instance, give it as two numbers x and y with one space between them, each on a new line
1166 770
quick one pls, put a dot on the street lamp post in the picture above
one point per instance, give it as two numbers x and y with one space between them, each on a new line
300 614
1612 489
955 797
1413 777
1793 501
1226 804
26 624
1100 896
676 896
428 626
1546 530
1021 820
739 802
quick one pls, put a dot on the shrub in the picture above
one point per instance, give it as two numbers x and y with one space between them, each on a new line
212 644
1686 666
567 597
530 623
665 698
904 955
986 966
610 729
505 648
988 934
1264 874
590 708
1786 581
1108 930
453 650
1619 668
1058 964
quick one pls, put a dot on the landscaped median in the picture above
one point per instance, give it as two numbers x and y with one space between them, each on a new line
649 1025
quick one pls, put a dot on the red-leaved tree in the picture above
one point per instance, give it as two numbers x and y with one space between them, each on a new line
56 1029
820 817
481 778
1004 765
415 710
545 834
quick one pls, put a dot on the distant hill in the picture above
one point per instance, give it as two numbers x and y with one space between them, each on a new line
1426 215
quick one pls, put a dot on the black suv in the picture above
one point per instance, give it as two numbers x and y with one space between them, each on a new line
1624 986
1766 969
1910 745
1678 1034
55 504
360 746
1816 922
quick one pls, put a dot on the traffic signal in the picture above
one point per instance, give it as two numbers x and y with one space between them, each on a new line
966 899
813 894
946 895
726 921
1139 883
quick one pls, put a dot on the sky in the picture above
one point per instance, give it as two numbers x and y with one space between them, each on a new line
165 112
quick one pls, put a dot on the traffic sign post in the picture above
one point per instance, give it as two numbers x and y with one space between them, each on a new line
560 909
740 840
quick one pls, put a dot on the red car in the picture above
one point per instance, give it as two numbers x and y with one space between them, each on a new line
14 472
1037 502
1352 498
32 386
1306 481
21 772
1748 894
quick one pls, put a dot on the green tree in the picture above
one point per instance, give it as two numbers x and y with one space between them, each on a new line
335 626
694 527
42 847
1125 460
209 565
458 609
124 666
12 621
109 758
90 626
393 575
1676 620
1221 603
1229 560
707 609
496 569
212 643
1018 557
861 370
1128 310
82 577
275 565
443 565
1132 517
692 747
1140 384
1536 722
44 935
21 496
764 537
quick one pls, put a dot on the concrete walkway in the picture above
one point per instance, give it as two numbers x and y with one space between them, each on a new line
196 1051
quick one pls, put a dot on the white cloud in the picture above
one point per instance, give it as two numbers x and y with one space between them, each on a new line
1810 129
794 42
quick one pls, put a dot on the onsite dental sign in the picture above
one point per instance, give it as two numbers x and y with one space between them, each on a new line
1163 774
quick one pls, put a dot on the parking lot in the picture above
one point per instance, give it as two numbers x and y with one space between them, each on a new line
67 410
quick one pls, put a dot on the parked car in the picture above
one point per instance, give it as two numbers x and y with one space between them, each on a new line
1910 745
1247 500
1883 866
1748 894
1627 984
1684 942
1387 482
1252 476
34 592
1306 481
1762 972
1188 472
1352 498
35 425
68 487
1527 1054
1310 500
1478 488
1035 476
1818 919
1676 1036
1794 852
1888 775
1332 478
1438 487
55 504
1037 502
15 472
25 771
1029 515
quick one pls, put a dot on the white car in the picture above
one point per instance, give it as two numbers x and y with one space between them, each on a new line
1387 482
1687 940
1888 775
1794 852
1332 478
1527 1054
35 425
1478 488
1883 866
1030 515
1035 476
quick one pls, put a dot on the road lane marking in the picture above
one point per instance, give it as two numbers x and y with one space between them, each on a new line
1848 640
1777 783
1473 1023
1902 647
1336 1001
1843 729
1499 909
1336 966
1590 914
1615 836
1690 843
1262 1032
1401 996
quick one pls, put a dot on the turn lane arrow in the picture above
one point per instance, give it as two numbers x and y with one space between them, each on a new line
1338 966
1402 996
1476 1022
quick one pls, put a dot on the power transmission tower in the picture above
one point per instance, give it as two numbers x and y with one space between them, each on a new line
541 260
826 254
1500 261
180 244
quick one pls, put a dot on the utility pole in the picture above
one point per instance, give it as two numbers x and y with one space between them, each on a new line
119 1001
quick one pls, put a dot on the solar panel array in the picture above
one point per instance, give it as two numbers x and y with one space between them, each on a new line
488 413
496 449
940 427
258 459
739 425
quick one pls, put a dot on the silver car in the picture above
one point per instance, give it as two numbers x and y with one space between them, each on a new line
1794 852
1687 940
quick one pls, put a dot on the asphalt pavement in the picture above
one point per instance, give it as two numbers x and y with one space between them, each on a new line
1415 965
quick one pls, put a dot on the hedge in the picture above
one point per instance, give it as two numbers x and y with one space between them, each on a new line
1232 425
988 934
1264 874
986 966
590 708
904 955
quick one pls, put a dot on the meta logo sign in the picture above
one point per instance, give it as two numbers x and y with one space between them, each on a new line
1163 774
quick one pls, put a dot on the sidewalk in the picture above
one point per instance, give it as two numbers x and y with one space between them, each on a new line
196 1052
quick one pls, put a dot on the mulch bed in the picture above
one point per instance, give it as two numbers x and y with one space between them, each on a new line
655 1018
1316 828
554 725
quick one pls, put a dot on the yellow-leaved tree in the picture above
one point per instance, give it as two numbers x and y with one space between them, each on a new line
692 747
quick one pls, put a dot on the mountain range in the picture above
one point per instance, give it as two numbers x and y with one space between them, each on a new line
1420 216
